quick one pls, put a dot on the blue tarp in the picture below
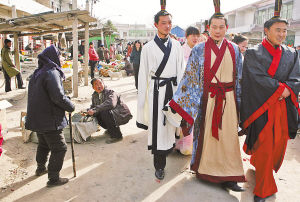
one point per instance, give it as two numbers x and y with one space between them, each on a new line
179 32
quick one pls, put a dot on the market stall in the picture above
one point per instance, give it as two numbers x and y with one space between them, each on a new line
50 23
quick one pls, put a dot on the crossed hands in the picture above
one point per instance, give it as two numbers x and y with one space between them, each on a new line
285 94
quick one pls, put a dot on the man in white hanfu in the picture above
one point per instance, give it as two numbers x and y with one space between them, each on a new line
161 67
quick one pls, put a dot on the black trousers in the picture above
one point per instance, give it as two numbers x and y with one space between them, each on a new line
136 68
106 121
55 143
159 161
92 65
8 81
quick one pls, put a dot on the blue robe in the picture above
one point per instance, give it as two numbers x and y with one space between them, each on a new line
190 90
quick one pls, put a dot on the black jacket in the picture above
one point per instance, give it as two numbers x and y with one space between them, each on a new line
135 57
111 101
47 103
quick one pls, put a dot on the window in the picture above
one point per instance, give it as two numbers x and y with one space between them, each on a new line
124 34
284 11
290 11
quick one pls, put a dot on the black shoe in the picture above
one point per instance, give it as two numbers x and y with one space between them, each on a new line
22 87
106 133
40 171
233 186
160 174
60 181
113 140
259 199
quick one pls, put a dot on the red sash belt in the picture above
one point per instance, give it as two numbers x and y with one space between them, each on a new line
218 90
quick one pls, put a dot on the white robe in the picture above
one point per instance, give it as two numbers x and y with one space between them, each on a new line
151 58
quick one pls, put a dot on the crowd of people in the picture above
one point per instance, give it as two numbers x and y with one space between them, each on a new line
210 88
198 97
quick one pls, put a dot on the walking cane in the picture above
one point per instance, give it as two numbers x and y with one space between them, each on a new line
72 143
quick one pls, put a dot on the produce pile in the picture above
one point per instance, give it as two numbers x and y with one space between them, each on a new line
114 66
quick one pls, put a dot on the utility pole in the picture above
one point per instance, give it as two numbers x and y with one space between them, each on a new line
16 41
86 49
92 5
75 51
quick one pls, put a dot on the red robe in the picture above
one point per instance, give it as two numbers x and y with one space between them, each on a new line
268 121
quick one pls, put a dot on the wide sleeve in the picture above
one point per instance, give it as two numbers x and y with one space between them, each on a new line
180 64
293 80
142 104
56 92
239 70
255 76
186 100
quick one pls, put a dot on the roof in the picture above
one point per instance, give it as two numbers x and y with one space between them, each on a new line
93 32
34 7
178 31
45 23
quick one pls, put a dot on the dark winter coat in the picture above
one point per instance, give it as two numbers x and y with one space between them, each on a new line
100 52
110 100
47 102
135 58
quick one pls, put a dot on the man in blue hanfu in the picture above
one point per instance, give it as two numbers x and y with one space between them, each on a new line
208 98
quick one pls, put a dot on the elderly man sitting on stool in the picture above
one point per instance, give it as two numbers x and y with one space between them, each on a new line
109 110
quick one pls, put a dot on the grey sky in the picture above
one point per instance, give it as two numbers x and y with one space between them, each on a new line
185 12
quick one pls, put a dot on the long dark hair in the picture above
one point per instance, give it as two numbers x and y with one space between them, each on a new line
134 47
238 38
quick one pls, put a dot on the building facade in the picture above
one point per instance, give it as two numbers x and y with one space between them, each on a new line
57 5
133 32
249 20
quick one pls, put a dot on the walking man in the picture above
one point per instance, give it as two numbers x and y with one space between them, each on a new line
208 97
161 67
269 109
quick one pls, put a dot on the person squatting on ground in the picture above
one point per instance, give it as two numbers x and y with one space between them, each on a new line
161 68
109 109
93 58
46 109
9 69
128 67
135 58
208 97
269 108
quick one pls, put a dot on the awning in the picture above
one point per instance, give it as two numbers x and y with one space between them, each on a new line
45 23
